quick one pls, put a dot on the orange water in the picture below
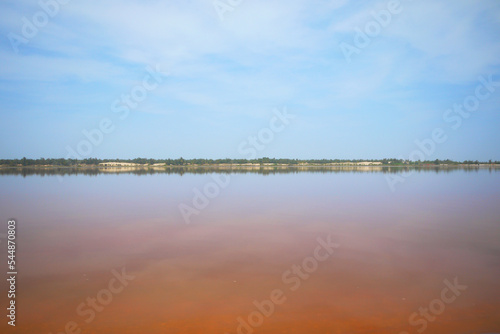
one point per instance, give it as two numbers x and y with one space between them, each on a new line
395 252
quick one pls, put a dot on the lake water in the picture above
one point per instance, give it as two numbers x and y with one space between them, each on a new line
255 259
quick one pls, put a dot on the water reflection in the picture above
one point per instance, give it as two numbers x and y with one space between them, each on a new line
266 170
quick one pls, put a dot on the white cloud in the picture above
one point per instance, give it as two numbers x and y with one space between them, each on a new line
264 52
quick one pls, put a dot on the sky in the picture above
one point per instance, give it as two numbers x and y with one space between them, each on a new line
250 78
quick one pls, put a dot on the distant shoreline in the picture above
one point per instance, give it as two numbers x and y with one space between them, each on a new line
244 164
234 169
247 166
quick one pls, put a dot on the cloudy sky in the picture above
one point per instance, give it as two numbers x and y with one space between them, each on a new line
358 87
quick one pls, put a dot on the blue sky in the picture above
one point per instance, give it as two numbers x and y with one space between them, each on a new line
225 77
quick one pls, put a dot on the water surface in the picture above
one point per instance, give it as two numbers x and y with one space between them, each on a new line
396 250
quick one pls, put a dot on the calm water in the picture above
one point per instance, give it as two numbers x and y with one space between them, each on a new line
395 251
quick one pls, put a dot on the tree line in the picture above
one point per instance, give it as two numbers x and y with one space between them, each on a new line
200 162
